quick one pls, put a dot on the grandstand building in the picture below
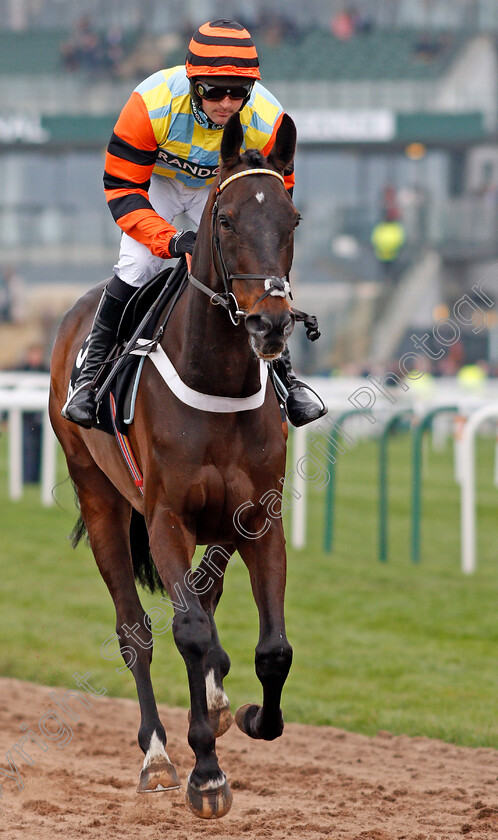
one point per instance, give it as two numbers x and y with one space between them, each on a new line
396 113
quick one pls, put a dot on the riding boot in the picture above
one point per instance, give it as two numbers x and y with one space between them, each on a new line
299 405
81 407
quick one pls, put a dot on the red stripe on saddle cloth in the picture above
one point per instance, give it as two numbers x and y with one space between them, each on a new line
126 450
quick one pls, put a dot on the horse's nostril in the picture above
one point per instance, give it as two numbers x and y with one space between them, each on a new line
280 324
260 324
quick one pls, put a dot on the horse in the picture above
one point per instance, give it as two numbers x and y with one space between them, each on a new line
205 471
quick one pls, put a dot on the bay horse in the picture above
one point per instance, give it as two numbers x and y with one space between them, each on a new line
205 472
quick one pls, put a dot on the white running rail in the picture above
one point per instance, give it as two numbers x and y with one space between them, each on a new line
21 392
468 485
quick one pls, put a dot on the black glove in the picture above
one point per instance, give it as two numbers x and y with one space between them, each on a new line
182 243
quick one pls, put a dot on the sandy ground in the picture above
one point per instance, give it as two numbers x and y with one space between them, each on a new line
311 783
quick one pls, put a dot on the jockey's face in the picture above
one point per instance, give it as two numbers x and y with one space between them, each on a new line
220 112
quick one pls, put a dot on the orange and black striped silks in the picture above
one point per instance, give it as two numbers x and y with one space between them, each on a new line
130 159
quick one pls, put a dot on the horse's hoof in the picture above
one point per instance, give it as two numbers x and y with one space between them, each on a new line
209 804
220 719
249 720
244 716
159 775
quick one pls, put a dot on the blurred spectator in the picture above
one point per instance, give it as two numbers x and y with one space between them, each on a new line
390 206
11 296
276 29
342 25
87 49
473 376
113 47
32 421
420 378
452 361
34 360
427 47
82 49
388 237
145 58
363 23
350 21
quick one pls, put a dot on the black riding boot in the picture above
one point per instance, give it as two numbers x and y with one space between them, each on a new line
81 407
300 407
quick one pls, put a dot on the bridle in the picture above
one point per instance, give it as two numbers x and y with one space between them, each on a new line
276 286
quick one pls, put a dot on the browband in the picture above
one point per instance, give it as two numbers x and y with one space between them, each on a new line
237 175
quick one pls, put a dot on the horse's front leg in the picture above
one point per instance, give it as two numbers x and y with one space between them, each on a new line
266 561
172 547
210 575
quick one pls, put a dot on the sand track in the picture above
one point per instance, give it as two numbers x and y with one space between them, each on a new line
311 783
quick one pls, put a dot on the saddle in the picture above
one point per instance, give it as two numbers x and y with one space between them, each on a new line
118 381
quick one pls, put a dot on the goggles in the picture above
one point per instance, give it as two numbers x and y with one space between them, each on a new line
215 93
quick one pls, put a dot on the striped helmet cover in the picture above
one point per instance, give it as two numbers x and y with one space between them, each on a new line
222 48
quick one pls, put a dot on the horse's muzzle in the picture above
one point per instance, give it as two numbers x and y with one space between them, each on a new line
269 332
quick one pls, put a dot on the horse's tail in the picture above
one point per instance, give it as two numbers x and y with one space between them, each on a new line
144 567
78 532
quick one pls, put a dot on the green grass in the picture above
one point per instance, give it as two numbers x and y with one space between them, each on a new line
376 646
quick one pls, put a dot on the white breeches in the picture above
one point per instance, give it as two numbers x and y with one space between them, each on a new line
169 198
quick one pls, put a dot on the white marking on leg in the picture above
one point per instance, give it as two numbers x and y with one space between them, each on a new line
216 697
212 783
260 196
156 750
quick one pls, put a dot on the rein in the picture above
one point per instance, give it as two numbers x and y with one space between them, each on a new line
277 286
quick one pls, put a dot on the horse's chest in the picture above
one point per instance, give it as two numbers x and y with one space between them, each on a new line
216 490
217 496
213 476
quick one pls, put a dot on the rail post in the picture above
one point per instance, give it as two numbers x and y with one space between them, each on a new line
328 541
14 400
15 454
298 523
468 489
383 481
418 435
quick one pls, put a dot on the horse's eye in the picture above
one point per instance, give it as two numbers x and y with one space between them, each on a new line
224 223
298 219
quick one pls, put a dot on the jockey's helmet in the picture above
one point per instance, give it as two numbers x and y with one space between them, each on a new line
221 48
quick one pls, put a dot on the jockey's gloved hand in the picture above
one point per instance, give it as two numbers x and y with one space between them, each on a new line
182 243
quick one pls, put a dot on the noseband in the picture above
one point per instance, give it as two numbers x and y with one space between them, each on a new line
276 286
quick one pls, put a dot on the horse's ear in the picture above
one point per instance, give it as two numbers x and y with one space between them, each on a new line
284 149
232 141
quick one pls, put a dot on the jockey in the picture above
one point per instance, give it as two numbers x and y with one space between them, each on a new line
161 160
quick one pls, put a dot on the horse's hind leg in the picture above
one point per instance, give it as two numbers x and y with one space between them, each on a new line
210 575
107 518
265 559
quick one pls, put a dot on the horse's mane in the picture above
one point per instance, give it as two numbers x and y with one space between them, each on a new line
253 158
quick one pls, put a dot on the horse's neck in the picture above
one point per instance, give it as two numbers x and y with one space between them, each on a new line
215 356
